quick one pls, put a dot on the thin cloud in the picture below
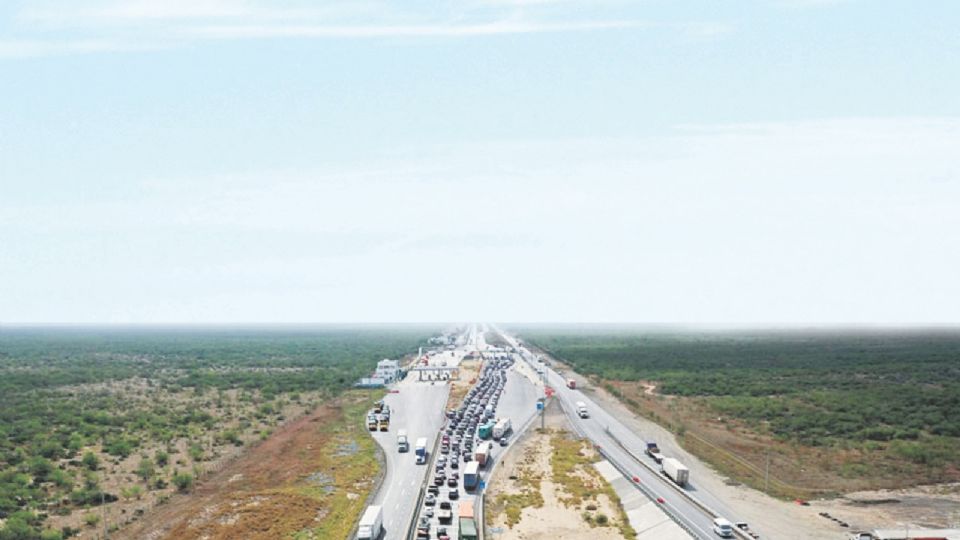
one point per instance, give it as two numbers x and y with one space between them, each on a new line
122 26
27 48
428 30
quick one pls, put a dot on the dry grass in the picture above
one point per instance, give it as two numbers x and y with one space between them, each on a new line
551 489
571 459
524 490
309 480
740 451
232 410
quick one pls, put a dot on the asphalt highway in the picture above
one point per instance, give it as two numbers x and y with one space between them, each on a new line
605 430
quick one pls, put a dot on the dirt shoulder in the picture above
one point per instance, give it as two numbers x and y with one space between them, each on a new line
310 478
545 488
775 518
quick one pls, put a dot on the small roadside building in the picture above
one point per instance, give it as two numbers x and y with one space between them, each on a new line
388 370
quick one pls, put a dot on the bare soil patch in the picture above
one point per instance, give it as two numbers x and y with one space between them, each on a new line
934 507
469 371
546 489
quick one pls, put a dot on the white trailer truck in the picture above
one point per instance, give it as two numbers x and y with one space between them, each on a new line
371 523
501 428
421 450
582 410
676 471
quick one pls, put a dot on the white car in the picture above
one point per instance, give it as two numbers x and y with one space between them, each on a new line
723 528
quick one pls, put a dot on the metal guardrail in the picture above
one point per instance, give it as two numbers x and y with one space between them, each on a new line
652 496
712 513
690 497
643 489
481 527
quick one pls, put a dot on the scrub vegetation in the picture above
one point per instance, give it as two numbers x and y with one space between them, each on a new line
868 409
101 424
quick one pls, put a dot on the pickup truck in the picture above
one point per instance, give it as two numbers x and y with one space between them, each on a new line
654 452
445 514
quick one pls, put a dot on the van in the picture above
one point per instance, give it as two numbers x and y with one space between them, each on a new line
723 528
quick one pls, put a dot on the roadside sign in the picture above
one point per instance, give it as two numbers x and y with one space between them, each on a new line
482 485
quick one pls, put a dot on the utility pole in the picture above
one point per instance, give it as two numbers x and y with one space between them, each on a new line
543 412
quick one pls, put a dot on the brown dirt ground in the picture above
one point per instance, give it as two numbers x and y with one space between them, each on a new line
117 474
469 371
530 457
251 496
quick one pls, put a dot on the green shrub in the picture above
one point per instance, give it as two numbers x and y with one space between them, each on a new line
183 481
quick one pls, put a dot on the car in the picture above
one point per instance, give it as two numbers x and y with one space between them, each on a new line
433 490
428 511
454 494
503 441
430 499
723 528
454 465
442 533
452 482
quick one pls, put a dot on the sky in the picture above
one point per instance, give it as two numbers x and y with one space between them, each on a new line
662 161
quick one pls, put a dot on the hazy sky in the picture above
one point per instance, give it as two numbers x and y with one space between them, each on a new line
766 161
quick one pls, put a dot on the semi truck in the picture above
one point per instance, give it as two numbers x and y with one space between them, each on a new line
654 451
421 450
582 410
371 523
471 476
467 521
676 471
482 454
403 445
485 430
501 428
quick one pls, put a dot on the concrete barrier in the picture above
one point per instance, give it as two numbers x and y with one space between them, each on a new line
690 497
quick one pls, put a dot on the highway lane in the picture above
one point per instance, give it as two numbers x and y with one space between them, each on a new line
418 408
518 403
596 428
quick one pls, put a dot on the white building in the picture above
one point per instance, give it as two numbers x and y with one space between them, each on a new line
388 370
